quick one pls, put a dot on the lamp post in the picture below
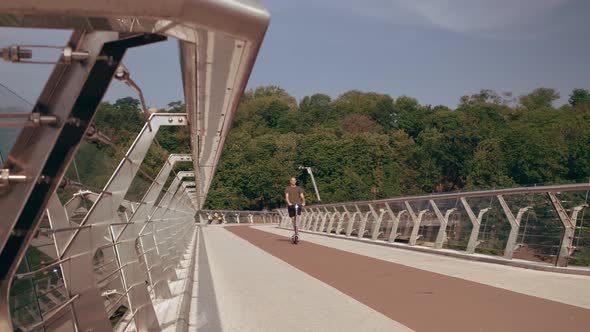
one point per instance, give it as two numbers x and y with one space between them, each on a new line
308 169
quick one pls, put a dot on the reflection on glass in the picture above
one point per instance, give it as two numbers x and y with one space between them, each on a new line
10 102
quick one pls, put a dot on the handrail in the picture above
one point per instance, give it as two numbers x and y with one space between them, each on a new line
470 194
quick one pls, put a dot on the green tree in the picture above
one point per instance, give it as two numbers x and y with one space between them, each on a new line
358 123
486 97
530 156
400 166
409 115
363 145
539 98
579 97
488 169
315 108
270 91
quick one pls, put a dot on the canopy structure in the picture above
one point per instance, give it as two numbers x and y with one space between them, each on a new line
218 39
218 43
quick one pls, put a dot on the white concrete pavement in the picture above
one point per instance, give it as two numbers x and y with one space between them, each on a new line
256 291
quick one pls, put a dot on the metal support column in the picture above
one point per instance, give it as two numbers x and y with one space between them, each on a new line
514 226
569 224
325 215
376 223
441 237
476 222
350 226
416 220
363 225
395 223
333 216
343 215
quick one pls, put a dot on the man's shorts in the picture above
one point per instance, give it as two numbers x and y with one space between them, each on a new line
291 209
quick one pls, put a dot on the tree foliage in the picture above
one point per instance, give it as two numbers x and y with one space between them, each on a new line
364 145
370 145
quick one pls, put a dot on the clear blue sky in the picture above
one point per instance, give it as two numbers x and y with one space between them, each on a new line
433 50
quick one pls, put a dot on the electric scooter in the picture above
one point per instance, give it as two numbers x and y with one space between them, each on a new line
295 237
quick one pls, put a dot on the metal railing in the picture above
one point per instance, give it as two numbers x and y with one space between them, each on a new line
544 224
237 217
121 258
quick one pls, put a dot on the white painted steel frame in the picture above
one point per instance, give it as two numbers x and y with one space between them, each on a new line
219 41
43 153
341 216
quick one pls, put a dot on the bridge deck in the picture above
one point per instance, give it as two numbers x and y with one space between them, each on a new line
259 281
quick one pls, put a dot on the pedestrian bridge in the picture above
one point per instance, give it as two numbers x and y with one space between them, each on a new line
139 253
